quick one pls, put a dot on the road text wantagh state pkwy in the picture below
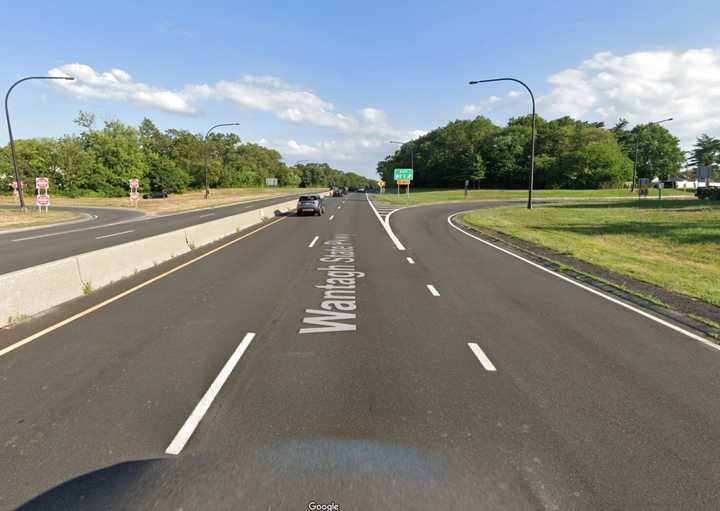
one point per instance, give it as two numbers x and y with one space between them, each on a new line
337 312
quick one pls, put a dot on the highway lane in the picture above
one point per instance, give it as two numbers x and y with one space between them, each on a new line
589 406
95 217
111 227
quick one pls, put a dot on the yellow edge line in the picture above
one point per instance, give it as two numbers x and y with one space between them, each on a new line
100 305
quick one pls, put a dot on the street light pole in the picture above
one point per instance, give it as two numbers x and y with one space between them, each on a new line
12 141
532 152
207 188
637 146
412 152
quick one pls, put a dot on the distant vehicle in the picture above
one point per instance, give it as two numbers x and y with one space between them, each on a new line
310 204
353 189
155 195
361 190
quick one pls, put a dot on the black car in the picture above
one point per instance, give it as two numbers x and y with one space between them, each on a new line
155 195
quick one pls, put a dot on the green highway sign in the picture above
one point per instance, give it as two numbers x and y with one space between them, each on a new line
403 174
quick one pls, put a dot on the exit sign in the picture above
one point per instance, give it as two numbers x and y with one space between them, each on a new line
403 174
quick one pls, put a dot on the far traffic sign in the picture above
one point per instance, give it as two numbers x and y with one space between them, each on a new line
403 174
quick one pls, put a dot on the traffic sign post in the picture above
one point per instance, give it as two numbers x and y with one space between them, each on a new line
403 177
134 194
42 185
15 192
41 200
381 185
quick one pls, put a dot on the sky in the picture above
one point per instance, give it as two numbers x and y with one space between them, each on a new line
336 81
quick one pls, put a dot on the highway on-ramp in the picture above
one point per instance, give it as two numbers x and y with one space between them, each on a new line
107 227
311 361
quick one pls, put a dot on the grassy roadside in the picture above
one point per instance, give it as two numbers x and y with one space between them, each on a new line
15 219
176 202
423 196
674 244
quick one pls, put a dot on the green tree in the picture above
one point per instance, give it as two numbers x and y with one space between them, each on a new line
119 157
706 151
659 152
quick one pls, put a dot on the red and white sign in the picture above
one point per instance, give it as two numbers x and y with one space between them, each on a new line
134 196
16 194
42 183
14 185
134 183
42 200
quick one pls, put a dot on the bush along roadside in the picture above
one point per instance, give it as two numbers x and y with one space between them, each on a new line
711 192
681 309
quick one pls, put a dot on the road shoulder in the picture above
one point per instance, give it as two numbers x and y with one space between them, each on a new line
689 312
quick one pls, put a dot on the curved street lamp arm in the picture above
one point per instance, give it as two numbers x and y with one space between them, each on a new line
532 153
12 141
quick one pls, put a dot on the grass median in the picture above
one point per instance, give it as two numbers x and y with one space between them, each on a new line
175 202
674 244
16 219
424 196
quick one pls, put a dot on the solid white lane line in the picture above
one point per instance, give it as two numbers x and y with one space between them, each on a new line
114 234
331 217
432 290
205 215
587 288
312 243
187 429
482 357
119 296
386 225
410 260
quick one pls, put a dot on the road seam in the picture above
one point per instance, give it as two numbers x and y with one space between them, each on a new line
191 423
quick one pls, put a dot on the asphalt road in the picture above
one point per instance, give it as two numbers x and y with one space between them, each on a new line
565 400
109 227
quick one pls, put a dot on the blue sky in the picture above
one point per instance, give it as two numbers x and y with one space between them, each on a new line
333 81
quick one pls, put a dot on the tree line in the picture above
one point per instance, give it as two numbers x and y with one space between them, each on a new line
102 161
569 153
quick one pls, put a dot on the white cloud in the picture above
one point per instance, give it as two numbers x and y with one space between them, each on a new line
482 106
364 135
373 115
642 87
117 84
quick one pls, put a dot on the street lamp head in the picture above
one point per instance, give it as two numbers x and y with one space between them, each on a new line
473 82
68 77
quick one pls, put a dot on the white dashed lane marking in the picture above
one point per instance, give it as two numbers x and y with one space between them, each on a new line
482 357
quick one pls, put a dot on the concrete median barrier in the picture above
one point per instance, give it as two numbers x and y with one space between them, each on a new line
102 267
33 290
